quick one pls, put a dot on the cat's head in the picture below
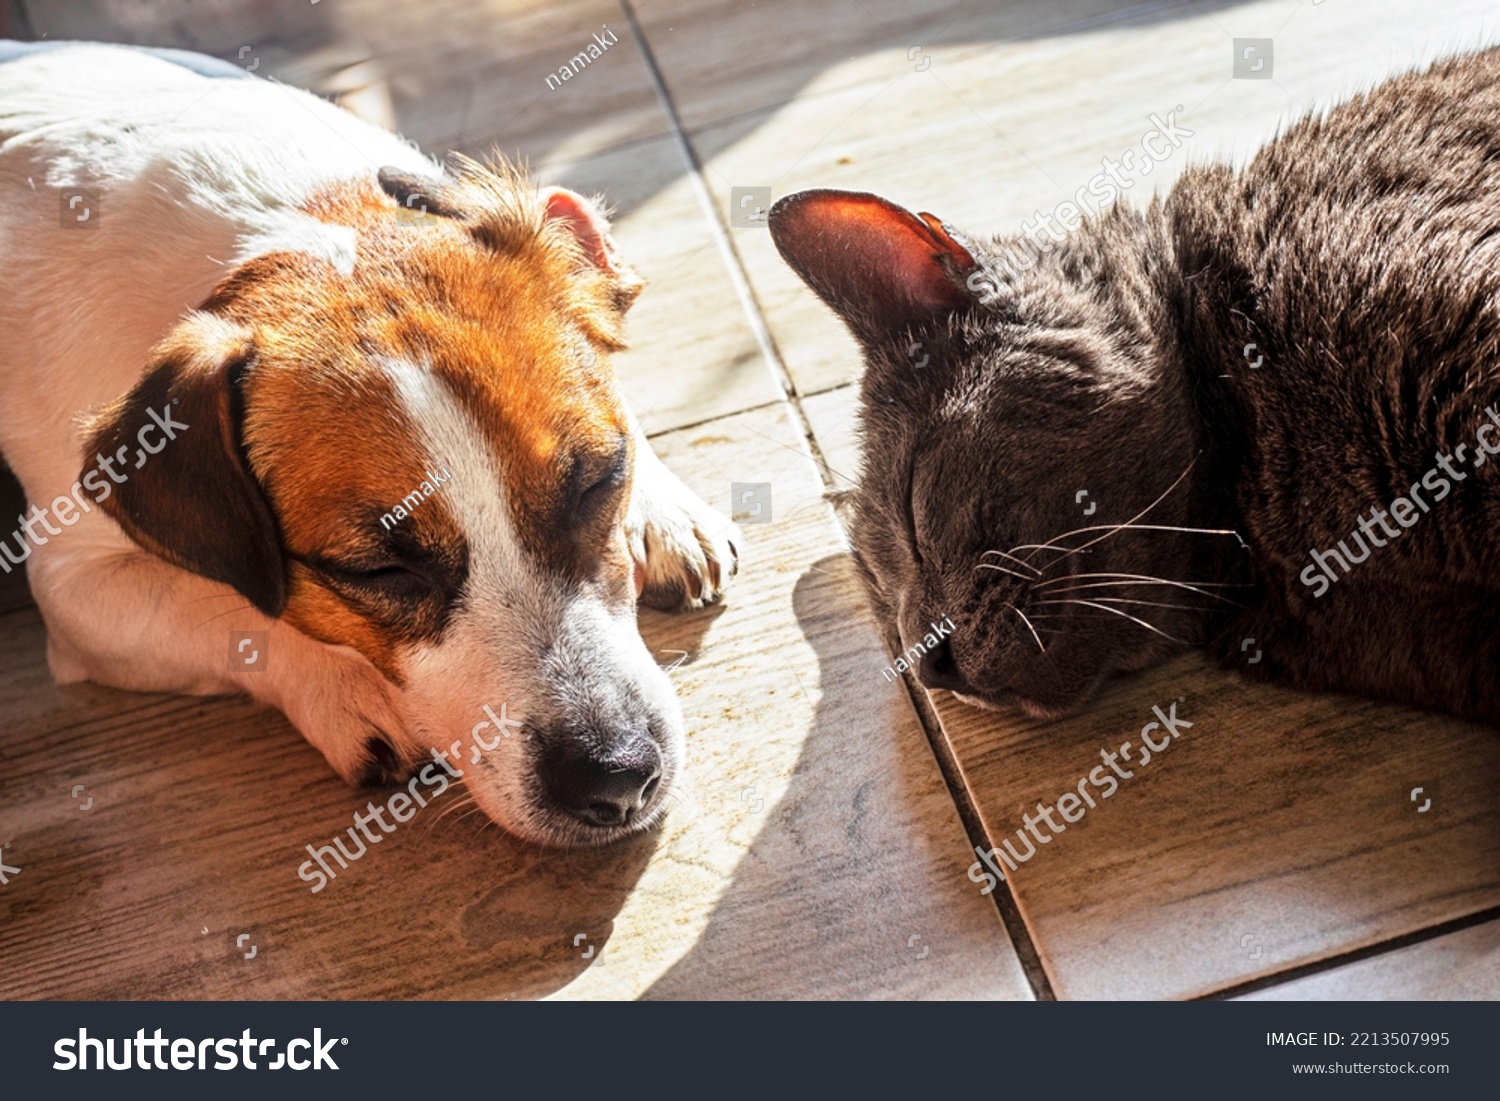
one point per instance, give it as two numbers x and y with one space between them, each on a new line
1011 420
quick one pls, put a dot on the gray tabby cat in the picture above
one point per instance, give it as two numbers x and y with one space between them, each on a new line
1279 388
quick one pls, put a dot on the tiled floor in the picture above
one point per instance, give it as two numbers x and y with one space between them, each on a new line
820 844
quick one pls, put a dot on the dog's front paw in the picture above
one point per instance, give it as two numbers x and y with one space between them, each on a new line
347 711
684 551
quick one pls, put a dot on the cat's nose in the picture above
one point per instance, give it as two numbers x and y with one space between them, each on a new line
938 670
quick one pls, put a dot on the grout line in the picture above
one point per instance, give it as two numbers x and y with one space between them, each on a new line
845 385
1005 901
715 419
722 239
1343 959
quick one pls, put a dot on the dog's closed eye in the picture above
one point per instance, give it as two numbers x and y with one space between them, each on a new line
372 579
600 485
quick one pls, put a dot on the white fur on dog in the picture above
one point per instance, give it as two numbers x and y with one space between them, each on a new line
190 176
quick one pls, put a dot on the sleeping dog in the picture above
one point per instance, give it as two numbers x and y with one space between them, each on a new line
267 373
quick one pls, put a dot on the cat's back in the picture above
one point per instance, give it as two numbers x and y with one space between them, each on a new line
1419 152
1404 176
1339 299
1356 256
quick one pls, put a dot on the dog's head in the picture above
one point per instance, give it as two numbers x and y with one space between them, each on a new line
424 458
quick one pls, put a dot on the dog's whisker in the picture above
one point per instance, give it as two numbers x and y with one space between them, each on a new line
213 596
458 805
243 607
472 811
1116 611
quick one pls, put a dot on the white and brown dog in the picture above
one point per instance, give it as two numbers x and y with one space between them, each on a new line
266 368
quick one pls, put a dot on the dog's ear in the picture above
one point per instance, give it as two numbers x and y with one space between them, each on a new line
172 455
607 286
591 230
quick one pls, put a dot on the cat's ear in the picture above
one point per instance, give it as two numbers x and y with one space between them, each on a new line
880 267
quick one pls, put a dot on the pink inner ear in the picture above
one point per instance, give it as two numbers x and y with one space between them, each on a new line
586 224
909 258
871 248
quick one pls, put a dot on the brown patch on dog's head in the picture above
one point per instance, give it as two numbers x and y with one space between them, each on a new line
303 441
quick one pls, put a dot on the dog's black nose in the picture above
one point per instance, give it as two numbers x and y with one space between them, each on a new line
938 670
605 785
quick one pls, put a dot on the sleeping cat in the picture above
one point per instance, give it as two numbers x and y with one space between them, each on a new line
1253 417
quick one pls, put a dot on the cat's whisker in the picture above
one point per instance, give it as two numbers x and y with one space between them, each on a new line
1060 585
1116 611
1117 585
1029 627
1149 603
1143 576
1013 558
1034 547
1113 529
1002 569
1133 519
1106 580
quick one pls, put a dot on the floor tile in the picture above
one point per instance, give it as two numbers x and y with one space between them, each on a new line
1463 966
466 75
722 59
